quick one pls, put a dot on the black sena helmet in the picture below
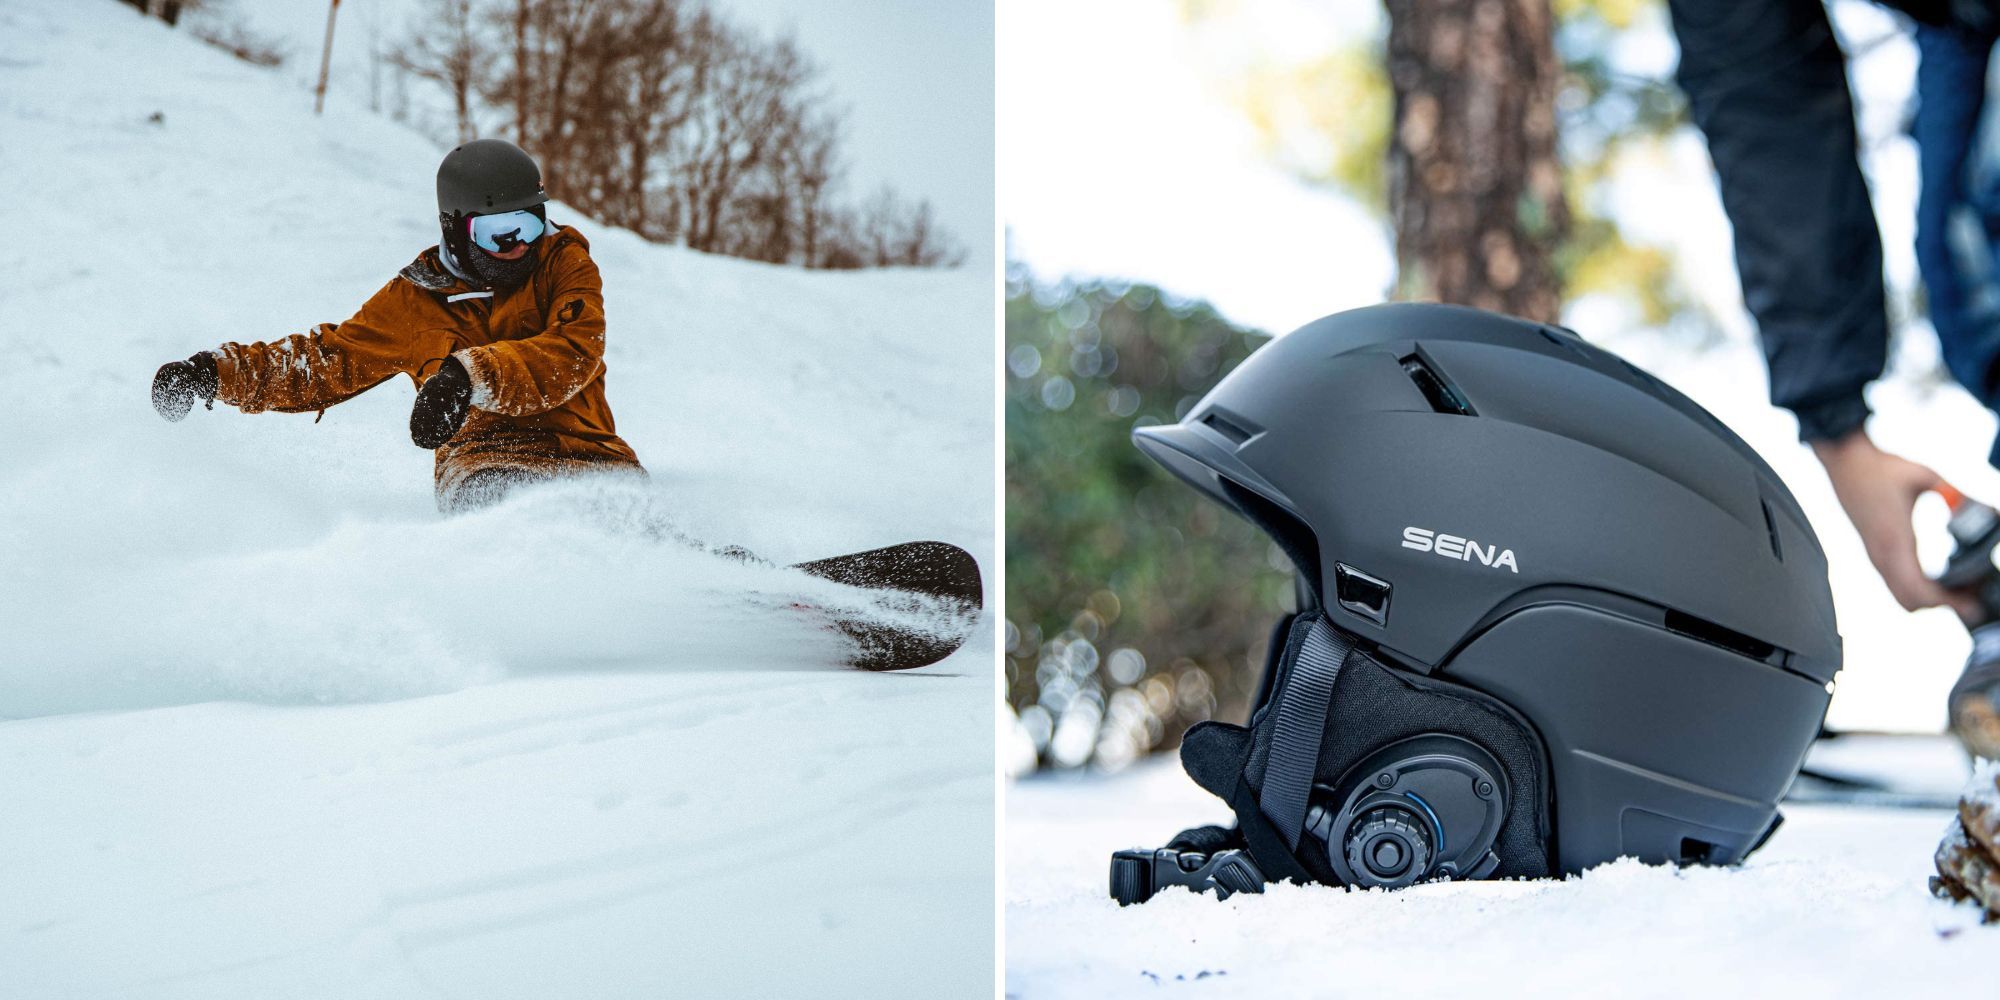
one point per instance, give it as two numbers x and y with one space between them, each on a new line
486 176
1555 612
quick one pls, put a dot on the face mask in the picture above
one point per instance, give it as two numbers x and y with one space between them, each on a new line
497 273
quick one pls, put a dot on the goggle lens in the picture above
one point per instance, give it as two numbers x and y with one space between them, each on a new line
505 231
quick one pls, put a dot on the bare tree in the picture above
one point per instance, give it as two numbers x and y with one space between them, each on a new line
814 165
738 128
892 233
445 50
667 71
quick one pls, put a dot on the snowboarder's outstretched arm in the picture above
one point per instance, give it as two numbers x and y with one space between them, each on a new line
517 378
333 362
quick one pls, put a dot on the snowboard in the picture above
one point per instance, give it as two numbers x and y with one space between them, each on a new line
936 570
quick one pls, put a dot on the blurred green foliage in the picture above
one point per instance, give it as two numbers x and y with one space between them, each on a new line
1136 607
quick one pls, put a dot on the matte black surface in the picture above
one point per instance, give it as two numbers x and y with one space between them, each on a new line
1654 737
1593 580
488 176
1592 473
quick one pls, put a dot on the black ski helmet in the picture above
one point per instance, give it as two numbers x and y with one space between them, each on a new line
486 176
1553 612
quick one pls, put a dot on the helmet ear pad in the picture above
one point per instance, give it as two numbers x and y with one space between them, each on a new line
1372 707
455 233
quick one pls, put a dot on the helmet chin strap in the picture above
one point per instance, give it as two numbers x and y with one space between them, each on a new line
1301 721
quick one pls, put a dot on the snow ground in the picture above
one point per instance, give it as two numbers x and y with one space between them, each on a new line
1835 905
278 729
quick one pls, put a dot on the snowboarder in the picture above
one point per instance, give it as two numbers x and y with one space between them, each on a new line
501 326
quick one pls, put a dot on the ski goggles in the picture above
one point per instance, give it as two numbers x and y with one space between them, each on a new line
504 231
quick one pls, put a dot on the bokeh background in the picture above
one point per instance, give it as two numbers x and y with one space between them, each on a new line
1181 180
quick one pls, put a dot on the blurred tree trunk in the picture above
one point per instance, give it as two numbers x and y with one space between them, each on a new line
1475 186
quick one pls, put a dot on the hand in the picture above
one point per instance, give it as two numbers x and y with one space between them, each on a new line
179 383
1879 491
442 404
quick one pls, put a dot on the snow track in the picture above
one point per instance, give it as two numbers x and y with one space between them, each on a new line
278 729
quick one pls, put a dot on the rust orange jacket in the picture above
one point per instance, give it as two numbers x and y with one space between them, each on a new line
535 354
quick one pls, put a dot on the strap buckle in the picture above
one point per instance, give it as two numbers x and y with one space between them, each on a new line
1139 875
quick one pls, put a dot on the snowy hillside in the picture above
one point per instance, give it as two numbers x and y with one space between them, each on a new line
269 726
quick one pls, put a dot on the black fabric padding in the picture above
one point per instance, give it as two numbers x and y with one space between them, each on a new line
1286 653
1207 839
1214 754
1373 706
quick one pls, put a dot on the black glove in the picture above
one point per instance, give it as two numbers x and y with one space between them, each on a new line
442 404
179 383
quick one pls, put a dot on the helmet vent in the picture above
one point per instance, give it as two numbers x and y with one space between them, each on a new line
1696 852
1567 340
1221 423
1439 393
1771 527
1715 635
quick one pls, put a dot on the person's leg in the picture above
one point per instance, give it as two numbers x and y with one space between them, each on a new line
1956 227
1982 180
1954 255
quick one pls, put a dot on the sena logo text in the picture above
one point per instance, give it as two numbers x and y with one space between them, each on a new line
1454 547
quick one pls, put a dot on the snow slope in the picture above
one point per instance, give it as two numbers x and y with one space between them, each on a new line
276 728
1834 906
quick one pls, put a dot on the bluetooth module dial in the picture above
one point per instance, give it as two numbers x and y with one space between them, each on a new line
1389 847
1428 807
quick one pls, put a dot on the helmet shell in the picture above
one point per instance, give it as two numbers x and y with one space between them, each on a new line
1479 463
486 176
1556 529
